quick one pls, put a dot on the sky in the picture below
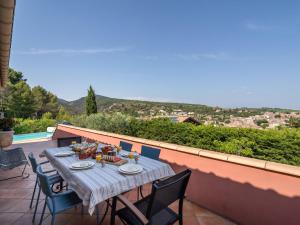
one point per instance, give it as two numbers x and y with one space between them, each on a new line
231 53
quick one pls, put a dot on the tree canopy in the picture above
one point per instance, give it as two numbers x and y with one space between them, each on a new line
20 101
90 102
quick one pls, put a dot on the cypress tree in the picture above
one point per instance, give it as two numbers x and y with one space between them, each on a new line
90 102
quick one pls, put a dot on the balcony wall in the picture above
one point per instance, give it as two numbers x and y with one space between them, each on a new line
247 191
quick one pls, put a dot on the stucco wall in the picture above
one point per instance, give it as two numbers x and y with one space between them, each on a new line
241 189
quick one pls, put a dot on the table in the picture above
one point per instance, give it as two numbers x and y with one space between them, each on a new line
99 183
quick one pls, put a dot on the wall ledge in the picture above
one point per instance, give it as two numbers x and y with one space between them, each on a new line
245 161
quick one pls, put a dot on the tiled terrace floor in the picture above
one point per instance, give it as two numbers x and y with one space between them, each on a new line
15 198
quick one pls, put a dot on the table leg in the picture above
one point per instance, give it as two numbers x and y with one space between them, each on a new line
113 211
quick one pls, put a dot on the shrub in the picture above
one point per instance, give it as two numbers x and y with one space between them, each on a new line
279 145
24 126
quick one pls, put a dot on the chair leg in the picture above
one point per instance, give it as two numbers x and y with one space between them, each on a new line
180 207
141 191
97 214
42 216
19 176
36 205
53 219
33 194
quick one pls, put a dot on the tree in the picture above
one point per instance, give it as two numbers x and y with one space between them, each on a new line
15 77
90 102
294 122
20 101
63 114
45 101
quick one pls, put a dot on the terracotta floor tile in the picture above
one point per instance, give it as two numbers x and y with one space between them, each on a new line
213 220
9 218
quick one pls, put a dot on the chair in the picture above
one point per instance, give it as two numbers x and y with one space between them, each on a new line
53 178
126 146
56 202
12 158
150 152
154 208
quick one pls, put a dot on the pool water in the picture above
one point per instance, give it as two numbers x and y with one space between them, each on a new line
25 137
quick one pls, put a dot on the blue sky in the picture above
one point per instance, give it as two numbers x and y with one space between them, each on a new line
220 53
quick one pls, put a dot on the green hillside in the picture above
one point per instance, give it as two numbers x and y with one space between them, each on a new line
145 108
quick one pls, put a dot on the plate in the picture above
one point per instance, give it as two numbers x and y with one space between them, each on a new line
64 154
125 154
130 168
82 165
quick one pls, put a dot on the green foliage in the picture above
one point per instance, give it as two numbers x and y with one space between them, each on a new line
63 115
294 122
275 145
6 124
20 102
90 102
15 77
47 115
262 123
45 101
24 126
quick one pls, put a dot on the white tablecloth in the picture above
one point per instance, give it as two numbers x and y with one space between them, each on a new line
99 183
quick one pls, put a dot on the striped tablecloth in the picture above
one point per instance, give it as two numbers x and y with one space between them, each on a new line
99 183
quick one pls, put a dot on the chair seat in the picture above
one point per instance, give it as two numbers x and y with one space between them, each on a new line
165 217
63 202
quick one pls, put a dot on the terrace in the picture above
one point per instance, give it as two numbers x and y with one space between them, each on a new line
224 189
15 198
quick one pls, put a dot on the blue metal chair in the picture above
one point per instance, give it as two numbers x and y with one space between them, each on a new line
56 202
12 158
53 178
154 209
126 146
150 152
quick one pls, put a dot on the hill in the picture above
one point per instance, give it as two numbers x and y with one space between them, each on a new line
147 108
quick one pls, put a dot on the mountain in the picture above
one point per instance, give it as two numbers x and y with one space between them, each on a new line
146 108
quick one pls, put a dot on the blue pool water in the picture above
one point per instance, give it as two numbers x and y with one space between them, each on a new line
25 137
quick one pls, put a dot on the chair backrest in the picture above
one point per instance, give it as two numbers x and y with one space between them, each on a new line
12 158
33 162
44 182
150 152
126 146
167 191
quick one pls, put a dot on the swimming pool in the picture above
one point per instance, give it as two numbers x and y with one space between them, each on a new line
25 137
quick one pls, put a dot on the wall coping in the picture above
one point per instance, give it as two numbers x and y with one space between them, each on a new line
245 161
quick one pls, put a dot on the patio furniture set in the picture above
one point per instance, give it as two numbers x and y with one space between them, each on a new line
89 183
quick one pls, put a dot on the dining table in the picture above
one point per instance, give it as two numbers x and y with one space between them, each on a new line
102 182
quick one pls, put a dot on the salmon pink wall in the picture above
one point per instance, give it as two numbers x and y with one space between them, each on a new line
244 194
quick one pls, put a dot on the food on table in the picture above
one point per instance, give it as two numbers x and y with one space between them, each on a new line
85 149
106 149
111 158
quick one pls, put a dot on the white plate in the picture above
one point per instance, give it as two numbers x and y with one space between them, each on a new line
125 154
82 165
130 168
64 154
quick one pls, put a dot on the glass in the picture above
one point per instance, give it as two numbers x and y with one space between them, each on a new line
119 148
136 158
98 158
131 156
